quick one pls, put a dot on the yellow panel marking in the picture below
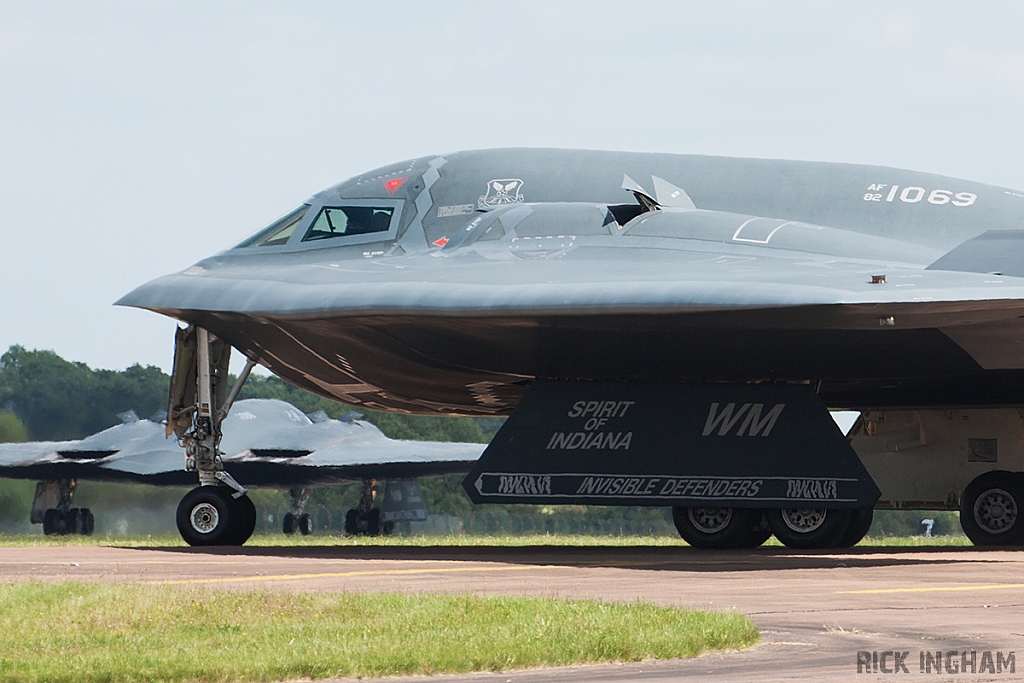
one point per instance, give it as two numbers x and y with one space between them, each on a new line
936 589
381 572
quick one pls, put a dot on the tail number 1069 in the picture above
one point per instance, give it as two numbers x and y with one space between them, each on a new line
913 195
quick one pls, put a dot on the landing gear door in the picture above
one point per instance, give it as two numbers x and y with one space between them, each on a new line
181 400
622 443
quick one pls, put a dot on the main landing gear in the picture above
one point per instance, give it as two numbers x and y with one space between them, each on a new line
52 507
218 511
297 519
991 514
721 528
992 509
364 520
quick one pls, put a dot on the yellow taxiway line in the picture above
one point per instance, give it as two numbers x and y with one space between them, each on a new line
935 589
379 572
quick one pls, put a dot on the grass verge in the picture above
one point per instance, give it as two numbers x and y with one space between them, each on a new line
82 633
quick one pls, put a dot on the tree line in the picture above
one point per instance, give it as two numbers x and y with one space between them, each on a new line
44 397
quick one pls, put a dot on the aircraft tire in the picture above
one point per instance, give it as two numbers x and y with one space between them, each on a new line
246 519
992 509
207 516
857 529
88 522
352 522
73 521
291 524
51 518
717 528
305 525
807 528
373 522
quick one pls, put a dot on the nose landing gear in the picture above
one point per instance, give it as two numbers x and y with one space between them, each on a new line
218 512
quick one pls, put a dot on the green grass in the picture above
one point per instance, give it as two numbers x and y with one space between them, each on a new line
172 540
950 540
88 632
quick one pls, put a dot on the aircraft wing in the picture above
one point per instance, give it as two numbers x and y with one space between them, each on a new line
267 443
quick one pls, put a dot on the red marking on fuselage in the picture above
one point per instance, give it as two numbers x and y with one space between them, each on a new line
392 184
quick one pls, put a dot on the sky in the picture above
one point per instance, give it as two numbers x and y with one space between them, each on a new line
137 138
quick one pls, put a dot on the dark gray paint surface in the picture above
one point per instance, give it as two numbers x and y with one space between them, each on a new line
632 443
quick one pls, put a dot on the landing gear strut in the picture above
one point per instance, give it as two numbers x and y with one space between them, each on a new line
297 519
218 512
365 519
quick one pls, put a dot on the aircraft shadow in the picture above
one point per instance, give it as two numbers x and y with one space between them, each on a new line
654 558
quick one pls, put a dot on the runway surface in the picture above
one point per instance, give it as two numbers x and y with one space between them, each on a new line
815 610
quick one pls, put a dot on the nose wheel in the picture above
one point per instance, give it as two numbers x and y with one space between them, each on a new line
211 515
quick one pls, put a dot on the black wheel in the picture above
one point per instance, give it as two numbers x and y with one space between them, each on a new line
207 516
73 521
991 509
246 519
291 524
352 522
52 519
809 528
387 528
716 528
373 522
860 522
305 525
88 522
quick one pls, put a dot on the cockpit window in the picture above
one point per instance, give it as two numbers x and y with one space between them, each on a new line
338 221
277 232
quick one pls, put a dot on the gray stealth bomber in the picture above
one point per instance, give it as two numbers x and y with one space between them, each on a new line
267 443
459 284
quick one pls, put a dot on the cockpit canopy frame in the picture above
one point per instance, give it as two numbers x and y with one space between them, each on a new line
310 225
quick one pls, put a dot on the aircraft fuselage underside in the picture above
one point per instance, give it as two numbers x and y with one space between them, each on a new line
482 365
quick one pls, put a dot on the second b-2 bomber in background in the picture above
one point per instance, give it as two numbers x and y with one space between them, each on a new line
268 444
661 329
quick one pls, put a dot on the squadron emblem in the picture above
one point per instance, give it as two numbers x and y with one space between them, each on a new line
501 191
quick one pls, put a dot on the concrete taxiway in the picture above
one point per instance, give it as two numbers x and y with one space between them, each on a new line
815 610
